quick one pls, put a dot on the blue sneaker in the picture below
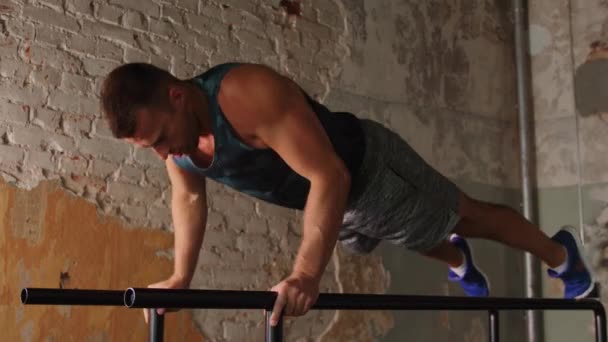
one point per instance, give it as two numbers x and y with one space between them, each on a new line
577 279
473 282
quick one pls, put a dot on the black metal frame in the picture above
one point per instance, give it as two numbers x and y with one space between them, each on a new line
219 299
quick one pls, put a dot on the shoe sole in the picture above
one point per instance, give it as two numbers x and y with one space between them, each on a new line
478 269
581 255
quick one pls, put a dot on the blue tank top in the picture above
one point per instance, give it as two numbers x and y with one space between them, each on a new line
262 173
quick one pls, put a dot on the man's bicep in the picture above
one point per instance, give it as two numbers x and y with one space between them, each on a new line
282 117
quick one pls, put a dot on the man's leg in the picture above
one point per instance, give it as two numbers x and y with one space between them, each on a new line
447 253
457 254
503 224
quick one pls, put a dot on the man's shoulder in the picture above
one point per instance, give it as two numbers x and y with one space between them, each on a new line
246 76
218 68
237 78
213 79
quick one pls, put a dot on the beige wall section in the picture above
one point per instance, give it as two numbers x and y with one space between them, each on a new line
561 34
570 149
445 82
51 239
359 275
590 24
572 167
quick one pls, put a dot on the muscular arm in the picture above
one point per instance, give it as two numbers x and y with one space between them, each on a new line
283 120
189 210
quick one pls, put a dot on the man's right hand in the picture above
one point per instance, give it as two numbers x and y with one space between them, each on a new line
174 282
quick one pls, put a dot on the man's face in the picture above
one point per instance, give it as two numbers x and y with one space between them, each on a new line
171 131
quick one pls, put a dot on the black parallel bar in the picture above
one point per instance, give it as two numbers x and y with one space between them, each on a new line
398 302
157 326
600 325
494 325
198 299
273 333
71 297
218 299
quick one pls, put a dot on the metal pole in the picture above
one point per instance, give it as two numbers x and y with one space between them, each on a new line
600 325
215 299
273 333
46 296
198 299
219 299
532 267
157 326
493 326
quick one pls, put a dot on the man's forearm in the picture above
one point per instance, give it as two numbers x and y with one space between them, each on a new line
189 218
322 222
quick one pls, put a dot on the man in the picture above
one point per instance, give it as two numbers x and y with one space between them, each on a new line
254 130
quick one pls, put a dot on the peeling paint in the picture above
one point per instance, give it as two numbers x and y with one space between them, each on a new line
73 247
27 331
540 38
292 7
359 274
5 9
64 279
27 214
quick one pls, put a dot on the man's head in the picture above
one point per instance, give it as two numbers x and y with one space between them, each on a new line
149 107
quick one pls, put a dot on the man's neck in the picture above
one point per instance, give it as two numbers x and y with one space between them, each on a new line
200 104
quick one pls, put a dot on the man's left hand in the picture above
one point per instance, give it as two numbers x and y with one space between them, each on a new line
295 296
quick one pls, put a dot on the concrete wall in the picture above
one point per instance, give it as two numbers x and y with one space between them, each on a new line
570 149
446 83
439 74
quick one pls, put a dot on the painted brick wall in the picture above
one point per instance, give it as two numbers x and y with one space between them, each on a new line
54 55
419 67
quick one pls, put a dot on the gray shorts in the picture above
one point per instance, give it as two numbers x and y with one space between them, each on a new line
396 196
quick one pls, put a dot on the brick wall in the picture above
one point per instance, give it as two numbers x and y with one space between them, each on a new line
393 61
